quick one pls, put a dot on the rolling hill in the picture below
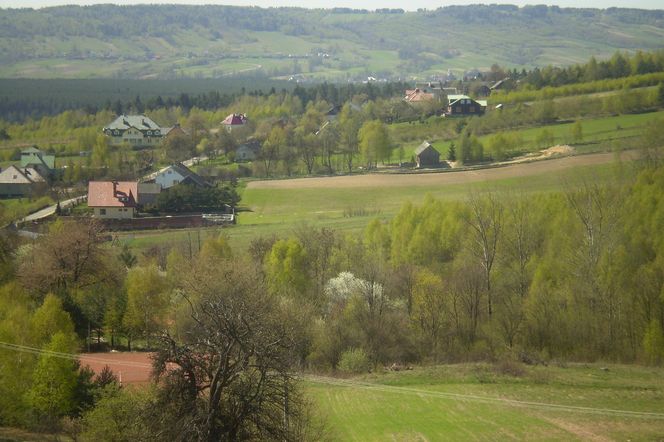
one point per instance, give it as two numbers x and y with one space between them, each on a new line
175 41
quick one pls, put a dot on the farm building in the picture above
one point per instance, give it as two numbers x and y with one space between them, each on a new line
113 199
427 156
134 130
18 182
178 173
463 105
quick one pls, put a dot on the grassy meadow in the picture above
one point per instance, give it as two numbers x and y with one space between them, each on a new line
606 133
496 402
270 211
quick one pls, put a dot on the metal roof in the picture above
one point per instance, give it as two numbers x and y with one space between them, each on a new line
140 122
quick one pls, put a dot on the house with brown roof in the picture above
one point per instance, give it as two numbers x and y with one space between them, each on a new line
113 199
418 95
425 92
234 121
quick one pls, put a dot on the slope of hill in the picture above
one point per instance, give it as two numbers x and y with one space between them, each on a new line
170 41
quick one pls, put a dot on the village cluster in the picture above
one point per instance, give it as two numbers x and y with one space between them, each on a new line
122 200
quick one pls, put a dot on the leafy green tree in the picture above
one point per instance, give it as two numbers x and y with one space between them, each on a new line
49 319
190 198
287 267
429 311
54 381
375 142
576 131
653 343
120 413
147 301
451 152
350 122
177 148
545 138
216 248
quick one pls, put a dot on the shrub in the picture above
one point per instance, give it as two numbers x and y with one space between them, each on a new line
354 360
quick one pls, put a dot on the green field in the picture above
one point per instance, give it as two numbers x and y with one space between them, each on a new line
598 134
496 402
279 211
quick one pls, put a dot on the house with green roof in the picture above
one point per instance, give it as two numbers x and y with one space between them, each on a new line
36 159
135 130
463 105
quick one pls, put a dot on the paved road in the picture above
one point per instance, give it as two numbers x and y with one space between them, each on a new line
50 210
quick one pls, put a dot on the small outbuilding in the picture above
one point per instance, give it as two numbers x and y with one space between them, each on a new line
427 156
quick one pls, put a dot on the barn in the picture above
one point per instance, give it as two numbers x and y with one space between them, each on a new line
427 156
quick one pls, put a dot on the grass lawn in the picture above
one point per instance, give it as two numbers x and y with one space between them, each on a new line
17 208
472 402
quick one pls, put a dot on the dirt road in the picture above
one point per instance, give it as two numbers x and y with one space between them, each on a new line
442 178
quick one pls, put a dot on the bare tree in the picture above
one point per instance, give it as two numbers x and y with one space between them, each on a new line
485 220
229 376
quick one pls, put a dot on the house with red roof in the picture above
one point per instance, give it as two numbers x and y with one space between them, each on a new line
234 120
113 199
418 95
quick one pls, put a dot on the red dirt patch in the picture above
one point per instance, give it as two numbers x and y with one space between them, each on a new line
129 367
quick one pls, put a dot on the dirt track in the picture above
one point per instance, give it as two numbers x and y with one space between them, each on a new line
441 178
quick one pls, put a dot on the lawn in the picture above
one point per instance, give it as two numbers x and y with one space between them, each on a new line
487 402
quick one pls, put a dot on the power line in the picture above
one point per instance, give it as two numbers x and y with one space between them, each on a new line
71 356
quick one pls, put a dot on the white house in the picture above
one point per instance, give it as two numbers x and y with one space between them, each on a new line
178 174
135 130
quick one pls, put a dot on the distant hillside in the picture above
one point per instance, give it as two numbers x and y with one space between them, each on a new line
169 41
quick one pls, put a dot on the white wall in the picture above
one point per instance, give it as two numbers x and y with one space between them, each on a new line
168 178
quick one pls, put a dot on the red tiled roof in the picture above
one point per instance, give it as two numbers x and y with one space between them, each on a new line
234 119
418 95
112 193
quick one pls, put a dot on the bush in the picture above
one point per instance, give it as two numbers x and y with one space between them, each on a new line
354 360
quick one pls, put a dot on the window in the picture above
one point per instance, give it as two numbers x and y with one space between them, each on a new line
170 172
102 211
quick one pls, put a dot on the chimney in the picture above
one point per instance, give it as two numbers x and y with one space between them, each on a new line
115 188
